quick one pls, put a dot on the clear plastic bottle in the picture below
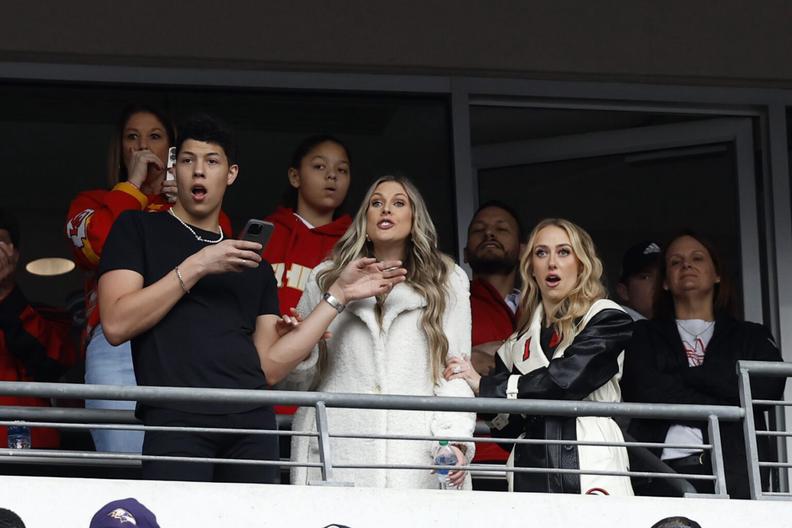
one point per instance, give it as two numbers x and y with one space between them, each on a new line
19 437
444 456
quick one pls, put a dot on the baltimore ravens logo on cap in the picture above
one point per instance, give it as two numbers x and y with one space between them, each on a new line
120 514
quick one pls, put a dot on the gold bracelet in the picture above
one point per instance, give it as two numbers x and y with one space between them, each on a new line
181 279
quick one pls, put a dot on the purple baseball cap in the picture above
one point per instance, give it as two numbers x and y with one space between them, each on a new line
124 513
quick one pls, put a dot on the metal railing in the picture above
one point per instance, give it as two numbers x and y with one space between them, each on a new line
745 370
320 401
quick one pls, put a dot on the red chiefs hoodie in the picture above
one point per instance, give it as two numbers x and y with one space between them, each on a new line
294 250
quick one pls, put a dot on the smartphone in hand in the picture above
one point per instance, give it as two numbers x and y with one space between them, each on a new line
169 172
257 231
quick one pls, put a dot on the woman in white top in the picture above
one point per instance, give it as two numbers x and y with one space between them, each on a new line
394 344
688 354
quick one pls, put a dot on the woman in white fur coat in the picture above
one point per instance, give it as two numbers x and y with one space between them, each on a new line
569 346
394 344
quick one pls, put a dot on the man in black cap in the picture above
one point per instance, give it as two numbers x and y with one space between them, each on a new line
636 286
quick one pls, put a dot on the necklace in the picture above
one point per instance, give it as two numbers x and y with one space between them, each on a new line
696 350
191 230
694 334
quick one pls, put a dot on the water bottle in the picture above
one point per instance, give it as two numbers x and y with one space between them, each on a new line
444 456
19 437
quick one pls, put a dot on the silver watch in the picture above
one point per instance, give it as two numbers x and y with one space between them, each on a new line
332 301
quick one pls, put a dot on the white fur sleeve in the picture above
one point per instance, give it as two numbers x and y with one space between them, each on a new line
456 323
302 377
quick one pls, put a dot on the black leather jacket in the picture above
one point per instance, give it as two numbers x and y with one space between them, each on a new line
590 361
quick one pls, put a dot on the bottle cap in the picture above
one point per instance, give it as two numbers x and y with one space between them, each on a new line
443 442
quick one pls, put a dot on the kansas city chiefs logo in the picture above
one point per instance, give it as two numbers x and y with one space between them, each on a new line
76 227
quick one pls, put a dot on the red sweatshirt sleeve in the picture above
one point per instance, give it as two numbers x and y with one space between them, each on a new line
225 223
43 346
91 215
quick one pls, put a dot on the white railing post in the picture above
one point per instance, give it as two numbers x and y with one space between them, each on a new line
749 431
716 456
324 442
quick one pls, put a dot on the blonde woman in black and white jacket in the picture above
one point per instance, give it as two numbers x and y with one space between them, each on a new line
569 346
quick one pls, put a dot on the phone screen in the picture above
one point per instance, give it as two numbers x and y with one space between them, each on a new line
171 162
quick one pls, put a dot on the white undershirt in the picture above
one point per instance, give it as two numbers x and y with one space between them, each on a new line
304 221
695 335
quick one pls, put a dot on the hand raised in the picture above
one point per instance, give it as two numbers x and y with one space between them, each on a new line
140 164
365 277
228 255
8 260
169 190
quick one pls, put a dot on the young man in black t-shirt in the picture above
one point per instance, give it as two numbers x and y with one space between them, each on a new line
202 311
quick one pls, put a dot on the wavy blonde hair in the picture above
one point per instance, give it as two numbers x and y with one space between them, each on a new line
587 289
427 267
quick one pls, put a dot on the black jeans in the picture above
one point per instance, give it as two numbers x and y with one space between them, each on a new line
698 464
210 445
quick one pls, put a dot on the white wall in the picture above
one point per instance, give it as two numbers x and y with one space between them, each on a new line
43 502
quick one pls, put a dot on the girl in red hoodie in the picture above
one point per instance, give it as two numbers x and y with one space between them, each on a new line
307 226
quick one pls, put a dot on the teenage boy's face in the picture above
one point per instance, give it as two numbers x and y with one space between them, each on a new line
202 175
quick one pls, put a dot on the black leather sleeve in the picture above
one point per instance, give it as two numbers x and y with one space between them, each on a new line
588 363
489 385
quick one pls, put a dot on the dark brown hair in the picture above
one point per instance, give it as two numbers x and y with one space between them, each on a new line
117 169
723 298
289 198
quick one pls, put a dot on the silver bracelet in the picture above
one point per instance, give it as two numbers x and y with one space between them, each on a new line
332 301
181 279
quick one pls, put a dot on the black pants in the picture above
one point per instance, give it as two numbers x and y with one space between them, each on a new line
660 487
697 464
210 445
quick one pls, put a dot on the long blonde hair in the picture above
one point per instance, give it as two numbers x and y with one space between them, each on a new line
587 289
427 267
